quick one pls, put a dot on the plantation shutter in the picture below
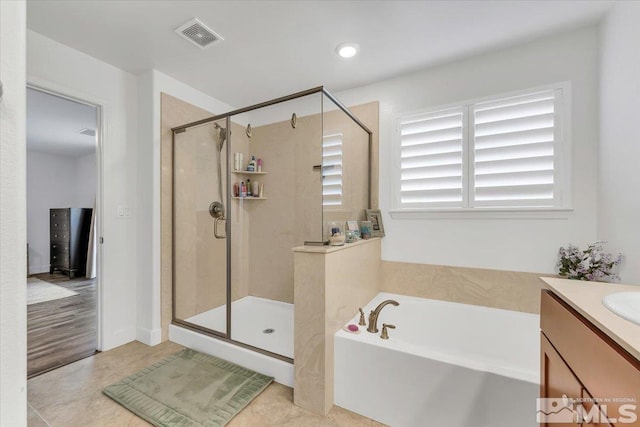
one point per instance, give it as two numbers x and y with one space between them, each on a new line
431 159
332 170
513 147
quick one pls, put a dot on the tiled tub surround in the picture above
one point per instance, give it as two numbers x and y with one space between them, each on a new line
509 290
486 359
330 284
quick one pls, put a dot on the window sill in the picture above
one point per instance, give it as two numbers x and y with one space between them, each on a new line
483 213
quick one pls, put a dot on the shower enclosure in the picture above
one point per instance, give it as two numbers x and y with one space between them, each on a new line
235 221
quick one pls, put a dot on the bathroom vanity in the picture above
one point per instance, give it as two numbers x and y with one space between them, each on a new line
590 357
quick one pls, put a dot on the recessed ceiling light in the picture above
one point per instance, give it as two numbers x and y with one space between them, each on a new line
347 49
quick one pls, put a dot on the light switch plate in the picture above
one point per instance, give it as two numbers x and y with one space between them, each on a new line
123 211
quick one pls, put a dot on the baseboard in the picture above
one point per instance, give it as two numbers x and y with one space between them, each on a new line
112 339
149 336
38 269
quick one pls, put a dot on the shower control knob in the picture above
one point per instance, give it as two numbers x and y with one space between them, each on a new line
216 210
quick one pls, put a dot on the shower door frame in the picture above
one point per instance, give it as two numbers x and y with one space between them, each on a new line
227 117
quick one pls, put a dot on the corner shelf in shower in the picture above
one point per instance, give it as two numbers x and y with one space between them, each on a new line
248 173
250 198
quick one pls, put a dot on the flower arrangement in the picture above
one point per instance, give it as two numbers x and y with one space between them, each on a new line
591 264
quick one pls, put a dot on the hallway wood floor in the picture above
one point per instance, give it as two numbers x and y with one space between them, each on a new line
64 330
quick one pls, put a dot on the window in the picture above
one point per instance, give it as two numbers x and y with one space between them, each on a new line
431 163
499 153
332 170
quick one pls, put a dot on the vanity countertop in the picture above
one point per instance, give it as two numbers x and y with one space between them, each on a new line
586 299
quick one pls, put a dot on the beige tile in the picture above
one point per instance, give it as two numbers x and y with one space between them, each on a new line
34 419
309 339
329 288
508 290
294 213
174 112
72 395
352 280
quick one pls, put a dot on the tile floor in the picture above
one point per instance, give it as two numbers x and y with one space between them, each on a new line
71 396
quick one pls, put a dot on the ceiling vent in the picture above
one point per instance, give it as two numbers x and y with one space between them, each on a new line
88 132
198 33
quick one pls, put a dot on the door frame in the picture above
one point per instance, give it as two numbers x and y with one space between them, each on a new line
98 104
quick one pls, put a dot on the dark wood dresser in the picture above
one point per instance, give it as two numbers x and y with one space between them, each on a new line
69 231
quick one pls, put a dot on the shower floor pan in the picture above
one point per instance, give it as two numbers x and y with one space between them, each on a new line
260 322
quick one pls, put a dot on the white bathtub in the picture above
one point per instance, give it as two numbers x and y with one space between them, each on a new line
446 364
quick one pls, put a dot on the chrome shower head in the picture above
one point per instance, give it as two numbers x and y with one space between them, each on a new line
222 136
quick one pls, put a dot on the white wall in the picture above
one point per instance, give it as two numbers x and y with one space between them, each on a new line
150 86
51 183
619 153
13 233
520 244
54 181
59 68
86 181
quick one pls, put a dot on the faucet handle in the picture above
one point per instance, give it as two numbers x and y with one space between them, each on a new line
385 335
362 322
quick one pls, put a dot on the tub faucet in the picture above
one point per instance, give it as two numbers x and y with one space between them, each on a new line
373 316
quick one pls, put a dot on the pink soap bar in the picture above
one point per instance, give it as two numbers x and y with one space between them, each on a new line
353 328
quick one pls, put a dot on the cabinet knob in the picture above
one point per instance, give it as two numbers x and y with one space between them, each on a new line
54 257
54 246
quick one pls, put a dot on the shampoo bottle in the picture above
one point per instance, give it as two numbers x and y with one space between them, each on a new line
251 167
249 188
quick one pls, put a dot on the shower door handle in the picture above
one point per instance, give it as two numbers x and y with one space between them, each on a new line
215 228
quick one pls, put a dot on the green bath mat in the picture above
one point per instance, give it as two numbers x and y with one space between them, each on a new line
188 389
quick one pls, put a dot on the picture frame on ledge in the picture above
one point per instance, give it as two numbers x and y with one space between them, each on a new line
353 227
375 216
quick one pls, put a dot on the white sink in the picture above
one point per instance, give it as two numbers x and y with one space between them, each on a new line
625 305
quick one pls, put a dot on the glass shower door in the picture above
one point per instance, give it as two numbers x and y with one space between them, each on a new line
199 226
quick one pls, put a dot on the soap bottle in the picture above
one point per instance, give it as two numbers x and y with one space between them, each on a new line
251 167
243 189
249 194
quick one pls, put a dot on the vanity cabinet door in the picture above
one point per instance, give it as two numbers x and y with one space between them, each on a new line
595 416
557 382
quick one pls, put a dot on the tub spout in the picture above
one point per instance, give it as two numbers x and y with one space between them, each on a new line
373 316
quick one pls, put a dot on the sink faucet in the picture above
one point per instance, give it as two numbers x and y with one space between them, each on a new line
373 316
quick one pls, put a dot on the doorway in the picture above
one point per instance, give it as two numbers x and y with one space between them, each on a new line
63 199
